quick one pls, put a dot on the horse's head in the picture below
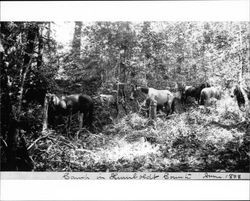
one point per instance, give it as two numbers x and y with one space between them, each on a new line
202 86
188 89
52 99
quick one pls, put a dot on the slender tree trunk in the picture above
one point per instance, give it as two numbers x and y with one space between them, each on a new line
48 35
32 34
8 130
247 104
14 131
153 106
76 44
40 47
45 113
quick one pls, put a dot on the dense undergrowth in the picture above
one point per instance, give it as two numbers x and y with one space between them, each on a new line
213 139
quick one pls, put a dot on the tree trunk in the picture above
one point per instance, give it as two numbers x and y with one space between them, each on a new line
45 113
40 48
8 131
76 44
32 34
13 132
48 35
152 111
247 104
12 146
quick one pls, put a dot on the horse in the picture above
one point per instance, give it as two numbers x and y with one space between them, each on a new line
69 105
162 97
194 92
208 93
236 91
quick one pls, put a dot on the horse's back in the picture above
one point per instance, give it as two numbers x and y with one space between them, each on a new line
217 92
161 96
189 89
78 102
210 92
85 100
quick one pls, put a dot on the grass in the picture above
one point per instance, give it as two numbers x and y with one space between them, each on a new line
211 138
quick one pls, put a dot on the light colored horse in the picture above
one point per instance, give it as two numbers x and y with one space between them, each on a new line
162 97
208 93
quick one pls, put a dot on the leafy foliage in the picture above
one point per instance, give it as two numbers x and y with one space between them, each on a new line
105 58
197 140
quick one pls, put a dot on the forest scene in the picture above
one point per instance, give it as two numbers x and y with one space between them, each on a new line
152 96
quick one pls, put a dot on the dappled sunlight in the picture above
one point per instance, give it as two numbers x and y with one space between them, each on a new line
176 144
127 151
74 92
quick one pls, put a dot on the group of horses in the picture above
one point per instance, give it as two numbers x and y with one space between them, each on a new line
165 100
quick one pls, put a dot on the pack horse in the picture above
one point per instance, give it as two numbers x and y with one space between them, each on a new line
208 93
164 98
67 106
191 91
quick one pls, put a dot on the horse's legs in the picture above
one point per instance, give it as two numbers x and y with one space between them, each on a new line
90 116
68 123
173 106
80 119
167 108
159 107
147 102
202 99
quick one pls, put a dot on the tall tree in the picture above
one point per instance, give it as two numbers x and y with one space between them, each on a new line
76 43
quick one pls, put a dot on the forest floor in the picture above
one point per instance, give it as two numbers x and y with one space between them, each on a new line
201 139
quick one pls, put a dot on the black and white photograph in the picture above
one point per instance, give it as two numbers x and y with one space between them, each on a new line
126 97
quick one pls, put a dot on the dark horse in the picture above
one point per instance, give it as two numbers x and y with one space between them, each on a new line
194 91
236 91
208 93
69 105
164 98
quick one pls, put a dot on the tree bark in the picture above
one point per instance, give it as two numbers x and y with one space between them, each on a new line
40 48
32 34
247 104
152 111
76 44
45 113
